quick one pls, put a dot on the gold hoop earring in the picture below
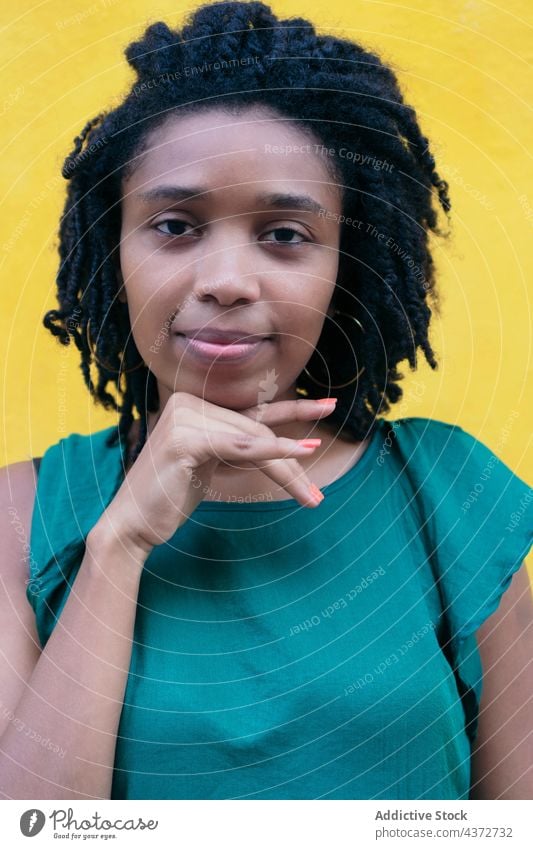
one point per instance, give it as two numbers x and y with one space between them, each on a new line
104 364
348 382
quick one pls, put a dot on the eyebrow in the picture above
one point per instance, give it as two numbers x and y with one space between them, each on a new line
280 200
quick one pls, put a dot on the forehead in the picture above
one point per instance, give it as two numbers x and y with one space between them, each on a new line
214 147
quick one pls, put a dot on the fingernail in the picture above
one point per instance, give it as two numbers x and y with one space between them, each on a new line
309 443
316 495
326 400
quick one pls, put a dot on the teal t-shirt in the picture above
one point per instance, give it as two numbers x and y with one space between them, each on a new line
282 652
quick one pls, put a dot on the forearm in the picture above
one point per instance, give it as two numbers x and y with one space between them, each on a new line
75 694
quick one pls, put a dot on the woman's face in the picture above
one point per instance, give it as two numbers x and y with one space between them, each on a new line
225 227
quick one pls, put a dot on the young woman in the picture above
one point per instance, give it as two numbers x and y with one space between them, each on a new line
219 608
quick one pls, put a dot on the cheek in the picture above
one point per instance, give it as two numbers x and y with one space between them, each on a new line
141 328
152 287
301 329
307 300
140 263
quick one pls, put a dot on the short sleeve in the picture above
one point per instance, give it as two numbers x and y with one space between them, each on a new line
78 477
476 516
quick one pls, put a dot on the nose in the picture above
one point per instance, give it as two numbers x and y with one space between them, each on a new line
225 271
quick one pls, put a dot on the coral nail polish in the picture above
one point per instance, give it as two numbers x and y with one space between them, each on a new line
315 493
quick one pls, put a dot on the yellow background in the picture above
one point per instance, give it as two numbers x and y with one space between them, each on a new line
463 65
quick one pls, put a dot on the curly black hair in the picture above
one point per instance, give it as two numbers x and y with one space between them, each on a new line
347 99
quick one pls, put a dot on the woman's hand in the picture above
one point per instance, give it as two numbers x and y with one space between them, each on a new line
191 437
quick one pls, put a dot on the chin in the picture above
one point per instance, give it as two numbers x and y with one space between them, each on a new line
232 398
225 394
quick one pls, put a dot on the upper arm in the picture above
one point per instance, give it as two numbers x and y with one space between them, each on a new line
19 643
503 754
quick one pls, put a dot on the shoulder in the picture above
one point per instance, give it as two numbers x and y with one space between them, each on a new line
473 510
445 449
66 467
76 452
418 432
78 477
453 468
428 431
75 440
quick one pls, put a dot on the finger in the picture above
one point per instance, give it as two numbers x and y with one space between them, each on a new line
218 422
206 416
290 475
273 413
282 412
239 447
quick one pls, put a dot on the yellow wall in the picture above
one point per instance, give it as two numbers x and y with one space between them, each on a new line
463 65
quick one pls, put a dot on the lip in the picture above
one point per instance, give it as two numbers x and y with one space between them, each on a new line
221 352
222 337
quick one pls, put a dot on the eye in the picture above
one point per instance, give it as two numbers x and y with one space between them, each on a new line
285 234
172 223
